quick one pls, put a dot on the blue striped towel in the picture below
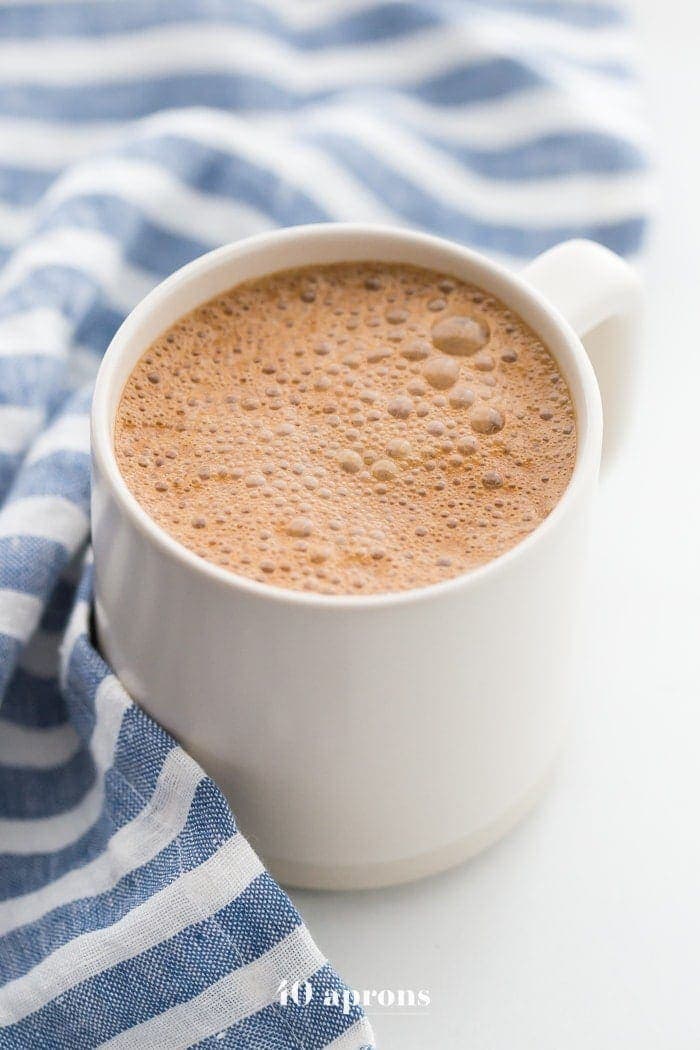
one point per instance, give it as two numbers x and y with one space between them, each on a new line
134 135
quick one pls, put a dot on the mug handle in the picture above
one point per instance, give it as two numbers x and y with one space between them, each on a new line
599 294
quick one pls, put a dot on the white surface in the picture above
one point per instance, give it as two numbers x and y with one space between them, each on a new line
581 931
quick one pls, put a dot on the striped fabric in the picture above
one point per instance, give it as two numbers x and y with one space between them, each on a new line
134 135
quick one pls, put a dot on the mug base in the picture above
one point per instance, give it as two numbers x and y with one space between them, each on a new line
303 876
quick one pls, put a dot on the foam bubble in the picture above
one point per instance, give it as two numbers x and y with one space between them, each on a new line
417 350
486 420
350 461
399 449
459 335
441 372
383 469
400 407
461 396
300 526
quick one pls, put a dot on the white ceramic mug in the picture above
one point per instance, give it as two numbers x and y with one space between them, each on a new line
369 740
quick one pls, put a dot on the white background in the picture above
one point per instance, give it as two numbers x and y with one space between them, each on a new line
581 931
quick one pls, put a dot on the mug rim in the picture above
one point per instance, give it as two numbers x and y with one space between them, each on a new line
589 422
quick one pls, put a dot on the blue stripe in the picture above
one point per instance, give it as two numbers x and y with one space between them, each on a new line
10 650
549 156
587 15
31 564
29 794
65 474
121 100
381 22
9 462
425 210
129 759
84 593
30 701
58 606
96 328
34 384
23 186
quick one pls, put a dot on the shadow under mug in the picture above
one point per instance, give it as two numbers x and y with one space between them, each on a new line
364 741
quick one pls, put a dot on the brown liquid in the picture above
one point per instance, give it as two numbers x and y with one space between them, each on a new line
348 429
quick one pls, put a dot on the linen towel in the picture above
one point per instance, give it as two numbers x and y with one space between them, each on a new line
135 135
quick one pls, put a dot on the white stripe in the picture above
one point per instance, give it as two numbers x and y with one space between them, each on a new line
515 120
19 613
167 50
132 846
17 425
111 703
229 1000
357 1036
40 655
70 433
48 834
13 232
77 626
35 142
29 748
40 330
162 199
88 251
47 517
15 222
82 365
562 199
194 896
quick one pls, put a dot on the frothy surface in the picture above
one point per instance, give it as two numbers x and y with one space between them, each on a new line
348 429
